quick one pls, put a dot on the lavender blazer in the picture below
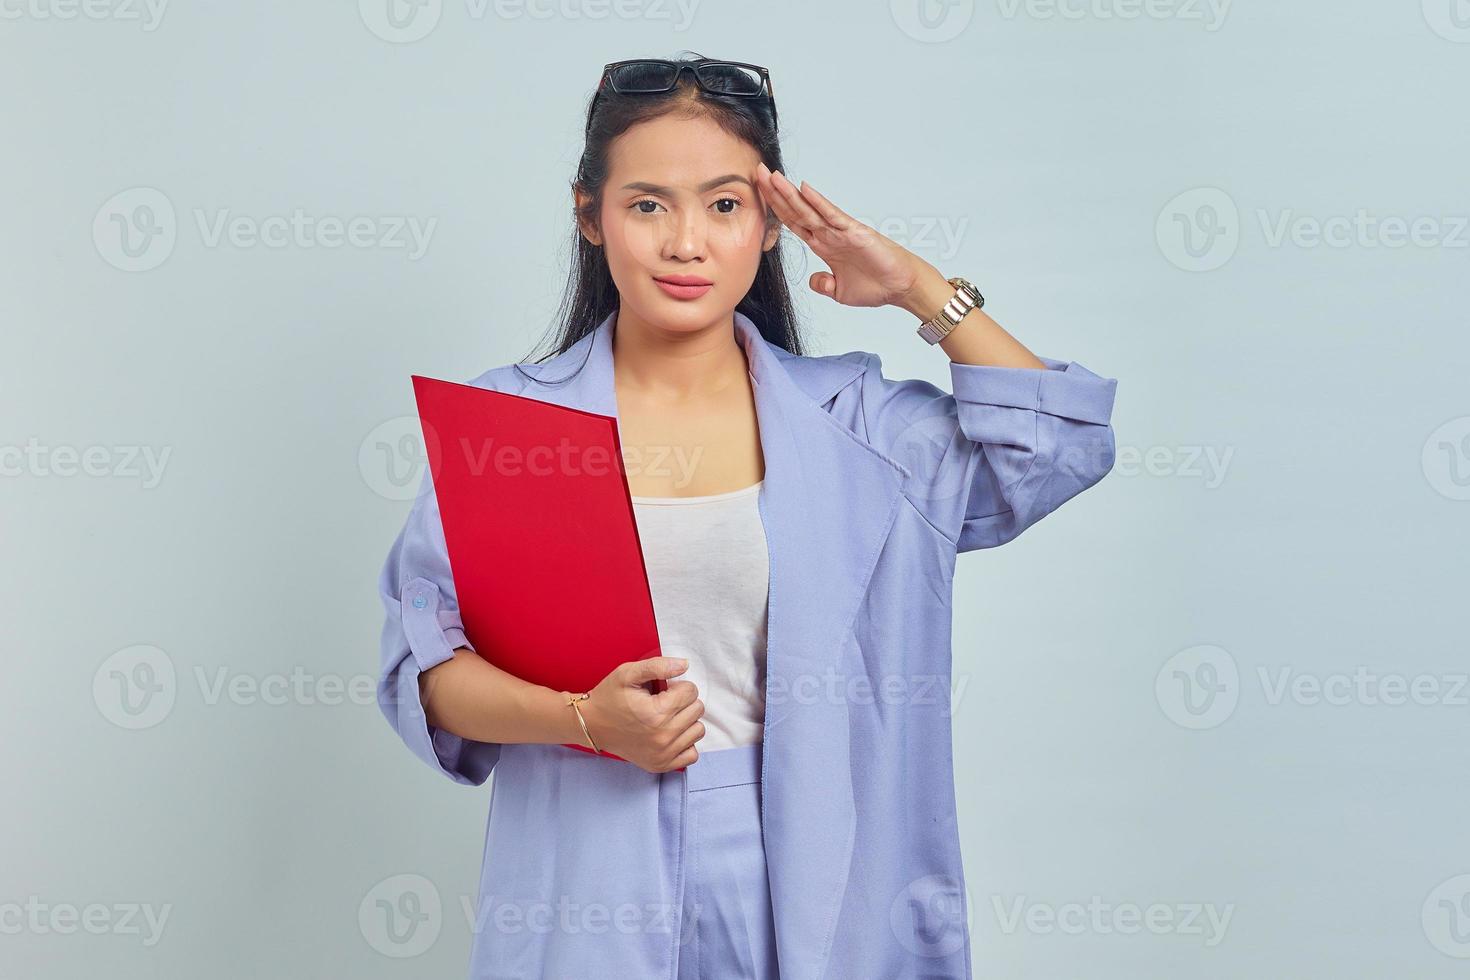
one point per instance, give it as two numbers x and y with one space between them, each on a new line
872 487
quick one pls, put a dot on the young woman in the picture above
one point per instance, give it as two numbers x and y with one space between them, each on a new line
800 518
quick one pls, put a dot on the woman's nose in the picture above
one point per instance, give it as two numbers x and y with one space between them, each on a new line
687 237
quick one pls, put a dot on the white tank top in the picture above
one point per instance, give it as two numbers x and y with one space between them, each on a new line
708 572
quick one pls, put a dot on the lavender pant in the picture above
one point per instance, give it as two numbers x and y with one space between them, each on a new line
727 930
595 868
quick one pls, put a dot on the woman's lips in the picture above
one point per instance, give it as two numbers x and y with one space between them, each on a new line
691 289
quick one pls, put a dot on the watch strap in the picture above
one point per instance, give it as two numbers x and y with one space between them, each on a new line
965 299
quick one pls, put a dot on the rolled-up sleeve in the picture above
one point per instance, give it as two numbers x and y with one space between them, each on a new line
1007 447
421 630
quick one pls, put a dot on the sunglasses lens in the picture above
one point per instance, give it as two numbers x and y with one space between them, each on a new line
641 76
730 79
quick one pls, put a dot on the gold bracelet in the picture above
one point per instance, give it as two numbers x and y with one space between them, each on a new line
572 701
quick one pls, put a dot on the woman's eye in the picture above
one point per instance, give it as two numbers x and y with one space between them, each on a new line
654 206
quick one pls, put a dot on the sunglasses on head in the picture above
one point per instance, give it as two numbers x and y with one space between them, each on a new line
648 76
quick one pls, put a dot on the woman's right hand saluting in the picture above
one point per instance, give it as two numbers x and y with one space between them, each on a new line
655 732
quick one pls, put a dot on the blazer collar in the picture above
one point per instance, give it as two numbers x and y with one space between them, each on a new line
828 501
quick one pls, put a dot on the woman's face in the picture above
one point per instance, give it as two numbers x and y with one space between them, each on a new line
680 201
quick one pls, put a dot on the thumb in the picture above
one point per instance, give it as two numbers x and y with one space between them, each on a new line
824 283
655 668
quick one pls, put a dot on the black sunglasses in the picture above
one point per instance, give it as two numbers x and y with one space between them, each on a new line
648 76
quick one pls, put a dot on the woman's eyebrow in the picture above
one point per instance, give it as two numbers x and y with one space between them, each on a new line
647 188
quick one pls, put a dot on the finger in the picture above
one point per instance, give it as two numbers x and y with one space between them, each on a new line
768 194
804 213
801 209
764 184
686 716
783 211
678 696
686 758
687 738
830 212
824 283
654 668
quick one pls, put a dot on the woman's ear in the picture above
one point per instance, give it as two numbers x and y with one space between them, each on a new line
773 231
586 226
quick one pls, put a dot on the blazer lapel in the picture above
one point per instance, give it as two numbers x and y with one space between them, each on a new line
827 502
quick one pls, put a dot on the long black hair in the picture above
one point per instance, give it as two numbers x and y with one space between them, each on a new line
590 294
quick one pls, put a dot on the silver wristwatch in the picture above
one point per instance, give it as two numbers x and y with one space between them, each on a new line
965 299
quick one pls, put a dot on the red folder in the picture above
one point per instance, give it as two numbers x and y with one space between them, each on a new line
542 540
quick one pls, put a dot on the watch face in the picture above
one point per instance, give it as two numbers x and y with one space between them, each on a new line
967 287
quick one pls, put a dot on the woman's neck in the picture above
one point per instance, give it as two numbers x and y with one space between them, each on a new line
676 365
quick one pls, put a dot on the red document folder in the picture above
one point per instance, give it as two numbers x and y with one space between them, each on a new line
541 535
